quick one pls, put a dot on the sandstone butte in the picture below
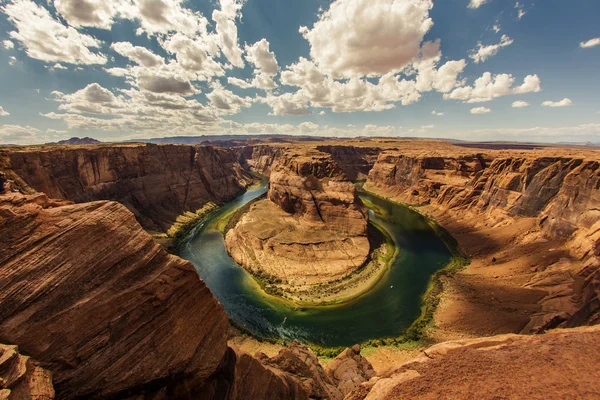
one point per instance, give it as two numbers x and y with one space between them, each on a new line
92 302
312 228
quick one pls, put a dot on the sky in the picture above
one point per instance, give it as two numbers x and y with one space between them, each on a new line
464 69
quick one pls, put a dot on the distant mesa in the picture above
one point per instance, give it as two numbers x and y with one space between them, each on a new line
76 140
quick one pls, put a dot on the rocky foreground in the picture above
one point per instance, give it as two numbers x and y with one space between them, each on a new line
311 229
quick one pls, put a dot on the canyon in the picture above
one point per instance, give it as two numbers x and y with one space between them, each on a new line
105 311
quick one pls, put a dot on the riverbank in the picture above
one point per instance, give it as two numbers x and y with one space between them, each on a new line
498 292
341 291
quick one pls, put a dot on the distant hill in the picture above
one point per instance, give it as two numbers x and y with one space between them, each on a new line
76 140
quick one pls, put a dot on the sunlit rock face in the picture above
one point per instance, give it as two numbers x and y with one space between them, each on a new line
312 227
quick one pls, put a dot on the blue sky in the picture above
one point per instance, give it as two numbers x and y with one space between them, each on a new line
123 69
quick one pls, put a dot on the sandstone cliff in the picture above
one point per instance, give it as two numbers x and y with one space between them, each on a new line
84 290
260 158
21 378
155 182
553 199
312 228
355 161
557 365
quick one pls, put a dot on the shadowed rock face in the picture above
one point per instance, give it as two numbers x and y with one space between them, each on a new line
155 182
562 194
355 161
85 291
312 228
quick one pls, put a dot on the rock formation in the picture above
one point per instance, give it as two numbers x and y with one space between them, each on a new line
311 229
349 369
556 365
86 291
155 182
560 195
354 160
21 378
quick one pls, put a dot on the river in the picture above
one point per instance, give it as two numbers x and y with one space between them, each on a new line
385 311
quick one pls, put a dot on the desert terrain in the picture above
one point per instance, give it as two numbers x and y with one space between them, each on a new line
83 264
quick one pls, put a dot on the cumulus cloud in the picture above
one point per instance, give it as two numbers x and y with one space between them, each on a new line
355 38
482 53
95 13
520 104
225 101
8 44
262 58
16 134
195 55
227 30
563 103
437 113
489 87
476 3
590 43
47 39
287 104
137 54
480 110
3 113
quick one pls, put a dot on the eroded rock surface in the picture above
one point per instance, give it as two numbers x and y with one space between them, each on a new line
311 229
557 365
349 369
21 378
558 250
85 291
155 182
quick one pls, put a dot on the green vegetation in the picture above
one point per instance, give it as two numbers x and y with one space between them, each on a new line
188 221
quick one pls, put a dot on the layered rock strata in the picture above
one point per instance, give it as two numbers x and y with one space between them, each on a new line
553 199
84 290
312 228
155 182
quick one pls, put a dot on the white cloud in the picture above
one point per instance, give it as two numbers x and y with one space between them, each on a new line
137 54
227 30
489 87
563 103
437 114
8 44
520 104
164 16
259 55
590 43
480 110
322 113
47 39
16 134
95 13
355 38
482 53
239 83
56 66
521 13
287 103
496 28
225 101
308 127
12 60
3 113
195 55
476 3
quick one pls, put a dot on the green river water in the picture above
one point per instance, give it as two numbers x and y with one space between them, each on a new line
386 310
